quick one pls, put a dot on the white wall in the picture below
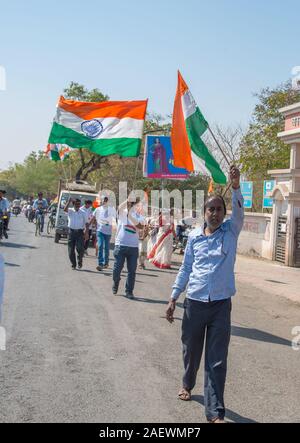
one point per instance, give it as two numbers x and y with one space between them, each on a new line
255 237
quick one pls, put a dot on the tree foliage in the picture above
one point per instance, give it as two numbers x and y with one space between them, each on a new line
260 148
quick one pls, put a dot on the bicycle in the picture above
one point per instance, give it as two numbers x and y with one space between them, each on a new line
51 223
38 224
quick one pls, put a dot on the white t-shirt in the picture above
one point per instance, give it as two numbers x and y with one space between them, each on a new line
127 233
105 215
88 211
77 219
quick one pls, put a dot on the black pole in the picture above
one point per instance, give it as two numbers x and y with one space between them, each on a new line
224 155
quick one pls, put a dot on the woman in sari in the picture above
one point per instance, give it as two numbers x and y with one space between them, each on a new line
160 247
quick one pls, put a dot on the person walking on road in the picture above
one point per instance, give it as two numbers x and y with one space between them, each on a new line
208 272
78 231
104 216
87 208
127 245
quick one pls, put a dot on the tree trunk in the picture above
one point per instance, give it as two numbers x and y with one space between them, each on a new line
95 162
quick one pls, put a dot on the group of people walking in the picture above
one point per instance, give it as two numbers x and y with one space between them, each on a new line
137 237
206 274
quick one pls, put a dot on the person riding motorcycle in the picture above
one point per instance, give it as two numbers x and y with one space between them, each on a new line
4 206
42 202
16 206
182 231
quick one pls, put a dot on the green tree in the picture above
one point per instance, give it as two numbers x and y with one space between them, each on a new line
261 149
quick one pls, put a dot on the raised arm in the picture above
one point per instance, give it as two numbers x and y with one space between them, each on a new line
66 208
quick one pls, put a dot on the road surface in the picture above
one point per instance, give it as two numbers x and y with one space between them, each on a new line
76 353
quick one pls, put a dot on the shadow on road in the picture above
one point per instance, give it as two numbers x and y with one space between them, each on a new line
278 282
166 271
17 245
256 334
231 415
161 302
12 265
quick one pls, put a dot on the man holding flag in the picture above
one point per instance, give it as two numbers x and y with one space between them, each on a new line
207 270
208 273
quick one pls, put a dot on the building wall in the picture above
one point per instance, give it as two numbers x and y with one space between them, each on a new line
254 240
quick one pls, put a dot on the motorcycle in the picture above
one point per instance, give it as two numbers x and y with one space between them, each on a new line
30 214
16 210
3 226
181 239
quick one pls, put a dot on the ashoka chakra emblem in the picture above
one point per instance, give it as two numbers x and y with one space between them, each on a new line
92 128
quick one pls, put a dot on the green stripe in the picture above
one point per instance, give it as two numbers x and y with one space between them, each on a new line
195 128
125 147
55 156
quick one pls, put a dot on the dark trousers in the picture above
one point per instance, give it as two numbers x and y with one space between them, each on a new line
122 253
209 322
76 240
87 242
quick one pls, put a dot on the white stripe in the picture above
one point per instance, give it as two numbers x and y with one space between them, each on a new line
112 127
199 164
188 104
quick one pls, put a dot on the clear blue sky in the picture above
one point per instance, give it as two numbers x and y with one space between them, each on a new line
225 49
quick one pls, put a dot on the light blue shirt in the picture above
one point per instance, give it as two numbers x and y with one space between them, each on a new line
4 205
43 201
208 265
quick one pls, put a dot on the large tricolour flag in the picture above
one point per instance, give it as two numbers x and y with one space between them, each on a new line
105 128
188 125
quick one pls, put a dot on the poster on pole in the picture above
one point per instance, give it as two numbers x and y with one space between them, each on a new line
158 159
267 199
247 192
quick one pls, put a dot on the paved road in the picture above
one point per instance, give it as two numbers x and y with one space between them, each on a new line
77 353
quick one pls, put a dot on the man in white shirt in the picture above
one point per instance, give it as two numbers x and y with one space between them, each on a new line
87 208
127 245
104 217
78 231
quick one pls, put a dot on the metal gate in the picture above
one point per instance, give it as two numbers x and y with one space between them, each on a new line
297 243
281 239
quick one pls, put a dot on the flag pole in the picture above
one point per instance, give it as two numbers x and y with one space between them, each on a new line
225 157
218 144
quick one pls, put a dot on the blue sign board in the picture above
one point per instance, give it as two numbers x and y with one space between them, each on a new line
247 191
268 188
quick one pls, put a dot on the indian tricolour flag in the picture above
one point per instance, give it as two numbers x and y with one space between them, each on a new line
52 152
64 152
189 150
105 128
